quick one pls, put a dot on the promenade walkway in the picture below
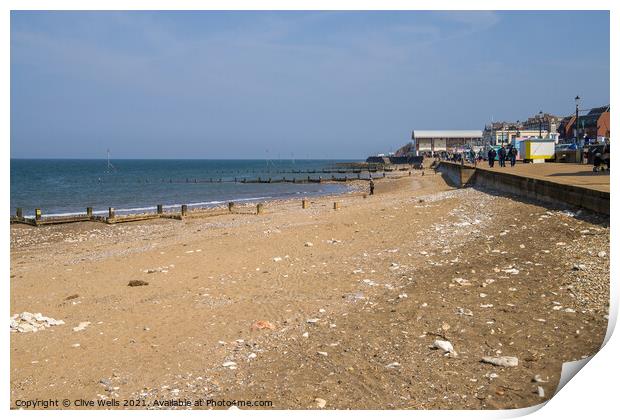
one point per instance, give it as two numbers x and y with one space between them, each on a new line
562 173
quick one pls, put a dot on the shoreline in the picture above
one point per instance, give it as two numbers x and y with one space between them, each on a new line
352 186
139 187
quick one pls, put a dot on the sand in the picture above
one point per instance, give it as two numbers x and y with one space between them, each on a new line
350 303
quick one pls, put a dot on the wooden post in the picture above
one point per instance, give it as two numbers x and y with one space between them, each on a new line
184 210
19 213
160 209
336 205
259 208
230 206
304 203
89 211
111 214
37 214
365 195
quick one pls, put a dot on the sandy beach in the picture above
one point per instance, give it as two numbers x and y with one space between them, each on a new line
315 308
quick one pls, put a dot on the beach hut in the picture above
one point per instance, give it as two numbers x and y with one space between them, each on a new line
536 150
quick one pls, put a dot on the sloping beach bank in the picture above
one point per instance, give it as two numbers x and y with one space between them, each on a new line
354 300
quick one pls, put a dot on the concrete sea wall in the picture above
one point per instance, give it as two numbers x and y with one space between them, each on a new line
531 188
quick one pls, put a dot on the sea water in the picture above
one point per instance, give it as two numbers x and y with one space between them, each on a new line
68 186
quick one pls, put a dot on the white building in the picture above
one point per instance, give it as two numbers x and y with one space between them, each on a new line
501 136
444 140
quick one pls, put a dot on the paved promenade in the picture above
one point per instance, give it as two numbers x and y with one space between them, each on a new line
562 173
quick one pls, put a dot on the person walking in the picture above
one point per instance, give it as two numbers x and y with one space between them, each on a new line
502 157
372 187
491 155
512 155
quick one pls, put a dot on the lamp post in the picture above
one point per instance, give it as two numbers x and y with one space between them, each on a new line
577 100
540 119
518 128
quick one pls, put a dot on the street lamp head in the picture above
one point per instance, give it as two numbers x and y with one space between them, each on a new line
577 99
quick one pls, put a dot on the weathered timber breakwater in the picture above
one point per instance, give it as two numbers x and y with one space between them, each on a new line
184 211
66 187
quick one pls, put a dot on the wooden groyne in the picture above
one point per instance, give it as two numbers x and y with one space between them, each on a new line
274 180
112 218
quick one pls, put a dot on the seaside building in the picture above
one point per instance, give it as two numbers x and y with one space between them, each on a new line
593 125
443 140
547 122
496 134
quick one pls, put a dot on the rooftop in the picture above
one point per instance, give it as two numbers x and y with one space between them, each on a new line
446 134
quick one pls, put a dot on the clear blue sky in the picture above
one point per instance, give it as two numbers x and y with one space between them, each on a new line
312 84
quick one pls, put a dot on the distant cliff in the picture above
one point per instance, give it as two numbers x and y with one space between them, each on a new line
404 150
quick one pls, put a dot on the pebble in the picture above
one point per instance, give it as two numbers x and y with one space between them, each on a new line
505 361
445 346
308 244
81 326
322 353
136 283
393 365
539 379
312 320
466 312
320 402
229 365
461 281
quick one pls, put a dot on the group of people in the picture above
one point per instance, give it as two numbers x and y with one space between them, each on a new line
503 154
